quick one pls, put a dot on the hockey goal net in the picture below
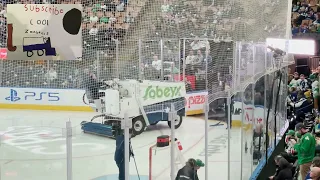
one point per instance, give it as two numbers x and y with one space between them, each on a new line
160 161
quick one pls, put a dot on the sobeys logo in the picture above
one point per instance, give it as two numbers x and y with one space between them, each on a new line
161 92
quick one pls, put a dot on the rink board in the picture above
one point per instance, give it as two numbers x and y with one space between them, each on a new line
71 99
43 99
75 100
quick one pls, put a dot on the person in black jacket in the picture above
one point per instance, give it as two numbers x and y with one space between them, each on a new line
189 171
92 85
284 171
119 154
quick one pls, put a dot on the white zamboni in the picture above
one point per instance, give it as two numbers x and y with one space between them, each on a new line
145 102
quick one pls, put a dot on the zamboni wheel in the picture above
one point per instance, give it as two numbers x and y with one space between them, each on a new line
138 125
178 122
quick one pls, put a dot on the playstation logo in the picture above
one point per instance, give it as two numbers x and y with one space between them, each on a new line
13 96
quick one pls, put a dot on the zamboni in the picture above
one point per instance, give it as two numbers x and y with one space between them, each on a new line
145 102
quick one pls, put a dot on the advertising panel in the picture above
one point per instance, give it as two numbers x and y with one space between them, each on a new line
156 92
43 97
195 102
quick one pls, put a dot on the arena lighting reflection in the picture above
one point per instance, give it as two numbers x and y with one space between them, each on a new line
291 46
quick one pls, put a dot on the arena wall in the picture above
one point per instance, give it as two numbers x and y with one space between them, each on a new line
70 99
43 99
75 100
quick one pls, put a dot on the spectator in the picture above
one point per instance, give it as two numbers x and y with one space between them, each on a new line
315 163
276 161
113 18
94 30
305 148
128 18
317 20
311 15
289 143
190 58
104 19
120 7
294 82
109 6
295 29
165 8
52 74
296 7
315 173
156 63
111 31
94 18
125 2
284 170
199 57
304 28
302 83
208 58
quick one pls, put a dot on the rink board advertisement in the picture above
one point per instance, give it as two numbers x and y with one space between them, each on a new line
44 31
195 102
252 114
43 99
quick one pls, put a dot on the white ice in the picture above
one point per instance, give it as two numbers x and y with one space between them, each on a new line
33 148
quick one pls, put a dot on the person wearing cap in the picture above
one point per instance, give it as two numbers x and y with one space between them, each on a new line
290 141
189 171
305 148
289 135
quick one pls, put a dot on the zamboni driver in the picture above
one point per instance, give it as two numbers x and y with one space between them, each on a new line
92 85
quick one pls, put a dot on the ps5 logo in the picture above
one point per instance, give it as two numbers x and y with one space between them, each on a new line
36 96
13 96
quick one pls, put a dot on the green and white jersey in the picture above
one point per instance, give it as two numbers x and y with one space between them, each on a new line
302 85
293 83
315 88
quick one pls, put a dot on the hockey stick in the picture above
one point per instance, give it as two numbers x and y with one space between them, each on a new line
217 124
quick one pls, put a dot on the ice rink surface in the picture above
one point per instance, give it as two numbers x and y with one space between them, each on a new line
33 147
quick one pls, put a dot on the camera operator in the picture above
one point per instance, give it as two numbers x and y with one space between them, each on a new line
119 155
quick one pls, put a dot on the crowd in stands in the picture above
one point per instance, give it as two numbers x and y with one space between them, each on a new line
305 16
197 18
301 159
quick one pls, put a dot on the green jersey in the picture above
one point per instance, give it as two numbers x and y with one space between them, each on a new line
306 148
